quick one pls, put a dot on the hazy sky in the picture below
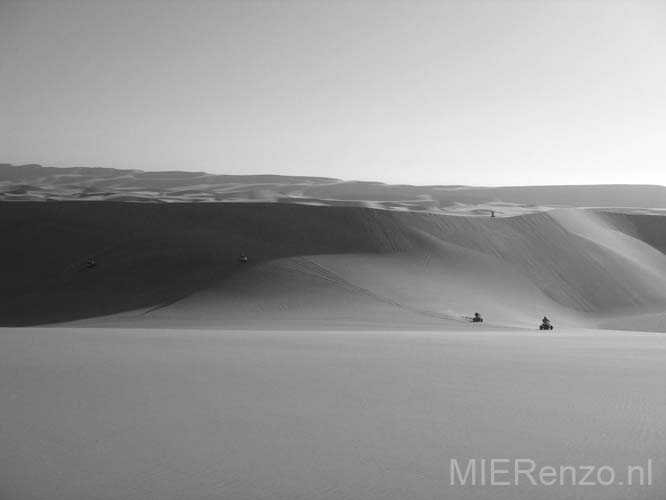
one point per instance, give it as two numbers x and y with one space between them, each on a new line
461 92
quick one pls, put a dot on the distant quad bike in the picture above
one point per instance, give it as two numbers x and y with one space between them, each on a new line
477 318
242 259
91 263
545 326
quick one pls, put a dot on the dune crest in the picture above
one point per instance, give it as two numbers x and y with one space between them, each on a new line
326 266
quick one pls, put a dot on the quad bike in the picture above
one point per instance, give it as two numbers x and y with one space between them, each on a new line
545 326
477 319
242 259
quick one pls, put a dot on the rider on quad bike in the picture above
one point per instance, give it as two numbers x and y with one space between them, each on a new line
545 324
477 318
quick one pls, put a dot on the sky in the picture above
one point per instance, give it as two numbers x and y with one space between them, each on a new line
493 92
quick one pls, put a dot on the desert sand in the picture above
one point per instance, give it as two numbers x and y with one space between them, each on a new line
94 413
339 361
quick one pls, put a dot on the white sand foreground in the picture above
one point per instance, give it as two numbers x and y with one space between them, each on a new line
93 413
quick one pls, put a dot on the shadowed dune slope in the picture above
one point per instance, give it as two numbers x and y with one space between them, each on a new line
319 266
151 254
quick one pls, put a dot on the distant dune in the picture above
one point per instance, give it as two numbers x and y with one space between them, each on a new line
37 183
321 264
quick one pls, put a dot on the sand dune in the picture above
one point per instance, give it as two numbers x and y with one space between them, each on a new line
324 253
325 267
37 183
339 361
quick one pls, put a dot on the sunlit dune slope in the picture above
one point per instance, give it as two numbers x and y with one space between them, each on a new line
319 266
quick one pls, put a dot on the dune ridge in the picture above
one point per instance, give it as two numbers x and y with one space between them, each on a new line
325 266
